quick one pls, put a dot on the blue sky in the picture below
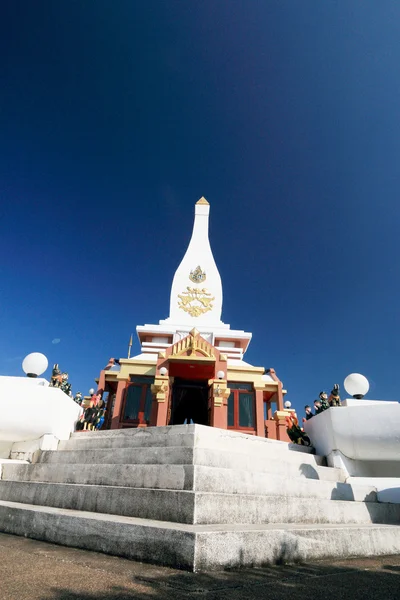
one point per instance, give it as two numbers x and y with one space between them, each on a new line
115 117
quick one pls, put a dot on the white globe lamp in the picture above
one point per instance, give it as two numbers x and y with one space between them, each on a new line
288 404
91 391
356 385
35 364
220 374
163 371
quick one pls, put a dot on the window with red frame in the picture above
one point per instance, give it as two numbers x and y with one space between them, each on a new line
241 406
138 401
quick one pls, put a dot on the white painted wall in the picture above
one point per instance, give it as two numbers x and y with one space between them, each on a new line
367 432
29 410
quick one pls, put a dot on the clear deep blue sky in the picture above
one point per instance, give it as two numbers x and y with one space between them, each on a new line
115 117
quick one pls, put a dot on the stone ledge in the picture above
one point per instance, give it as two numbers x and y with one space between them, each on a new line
197 547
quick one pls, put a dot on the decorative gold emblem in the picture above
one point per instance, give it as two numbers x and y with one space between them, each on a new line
197 276
195 301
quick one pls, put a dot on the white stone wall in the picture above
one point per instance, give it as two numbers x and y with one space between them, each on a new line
29 410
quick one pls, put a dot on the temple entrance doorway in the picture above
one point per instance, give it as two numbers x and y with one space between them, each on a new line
189 402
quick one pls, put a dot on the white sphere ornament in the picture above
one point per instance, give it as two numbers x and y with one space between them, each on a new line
220 374
91 391
356 385
35 364
163 371
288 404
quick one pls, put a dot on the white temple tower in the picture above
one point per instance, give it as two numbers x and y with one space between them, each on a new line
196 294
196 300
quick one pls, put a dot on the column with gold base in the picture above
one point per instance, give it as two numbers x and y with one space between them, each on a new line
280 419
219 394
160 390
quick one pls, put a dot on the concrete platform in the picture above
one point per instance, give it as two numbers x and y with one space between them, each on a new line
197 547
196 497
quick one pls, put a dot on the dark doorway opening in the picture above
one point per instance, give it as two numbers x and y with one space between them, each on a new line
189 402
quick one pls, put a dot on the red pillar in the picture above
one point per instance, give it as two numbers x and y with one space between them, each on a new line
119 396
161 390
219 414
279 394
102 382
162 411
271 429
260 424
281 431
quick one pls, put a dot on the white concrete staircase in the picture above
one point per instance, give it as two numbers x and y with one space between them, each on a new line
194 497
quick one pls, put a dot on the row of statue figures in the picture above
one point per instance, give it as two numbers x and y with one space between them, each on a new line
59 380
296 433
324 402
93 413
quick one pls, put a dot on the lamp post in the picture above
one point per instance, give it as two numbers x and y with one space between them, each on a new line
356 385
35 364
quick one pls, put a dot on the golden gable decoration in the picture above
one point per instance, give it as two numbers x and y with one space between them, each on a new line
190 345
196 301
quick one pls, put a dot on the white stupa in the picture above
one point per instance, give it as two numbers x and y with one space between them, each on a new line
196 301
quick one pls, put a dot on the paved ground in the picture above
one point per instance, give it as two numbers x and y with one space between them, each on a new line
31 570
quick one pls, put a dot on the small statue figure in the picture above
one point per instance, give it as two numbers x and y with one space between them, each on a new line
309 414
101 412
91 417
81 422
78 398
56 377
318 407
65 386
334 398
323 396
295 433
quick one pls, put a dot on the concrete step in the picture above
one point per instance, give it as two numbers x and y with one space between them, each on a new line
130 438
197 547
165 505
197 507
5 462
190 477
234 481
198 436
289 464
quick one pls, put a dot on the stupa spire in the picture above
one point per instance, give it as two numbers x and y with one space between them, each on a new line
196 294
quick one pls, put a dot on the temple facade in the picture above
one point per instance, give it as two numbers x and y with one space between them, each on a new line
191 366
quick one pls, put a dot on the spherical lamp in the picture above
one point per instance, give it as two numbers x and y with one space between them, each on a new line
356 385
163 371
35 364
288 404
91 391
220 375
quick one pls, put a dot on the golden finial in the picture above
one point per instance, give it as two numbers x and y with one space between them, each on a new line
202 201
